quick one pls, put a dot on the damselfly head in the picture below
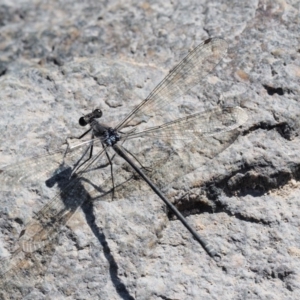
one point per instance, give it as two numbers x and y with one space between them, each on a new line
88 118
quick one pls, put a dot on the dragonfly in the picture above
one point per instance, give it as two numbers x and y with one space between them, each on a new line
106 159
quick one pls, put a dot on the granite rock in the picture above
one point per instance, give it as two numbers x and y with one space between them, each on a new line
61 59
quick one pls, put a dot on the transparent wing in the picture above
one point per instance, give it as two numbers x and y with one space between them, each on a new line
172 150
45 225
23 272
205 123
193 68
40 168
41 233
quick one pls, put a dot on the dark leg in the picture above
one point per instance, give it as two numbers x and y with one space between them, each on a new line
80 137
90 155
112 175
145 168
77 138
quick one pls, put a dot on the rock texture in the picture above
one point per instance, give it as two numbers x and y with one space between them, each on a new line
60 59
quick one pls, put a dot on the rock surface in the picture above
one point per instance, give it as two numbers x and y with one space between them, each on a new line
61 59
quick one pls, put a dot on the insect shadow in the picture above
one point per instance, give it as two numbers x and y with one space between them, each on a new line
62 180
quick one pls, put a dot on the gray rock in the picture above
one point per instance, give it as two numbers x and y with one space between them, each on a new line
60 60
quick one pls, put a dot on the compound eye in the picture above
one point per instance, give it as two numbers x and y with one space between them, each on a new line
82 122
97 113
